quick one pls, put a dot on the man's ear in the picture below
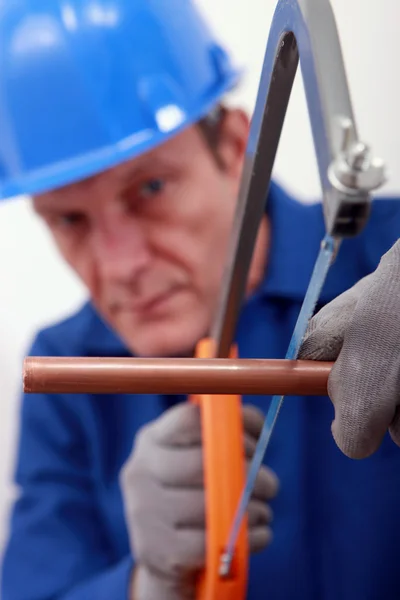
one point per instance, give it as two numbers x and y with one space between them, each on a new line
233 140
34 204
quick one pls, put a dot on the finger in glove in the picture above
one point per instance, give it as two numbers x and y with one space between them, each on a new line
325 333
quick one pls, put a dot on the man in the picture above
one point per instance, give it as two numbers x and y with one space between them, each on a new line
134 163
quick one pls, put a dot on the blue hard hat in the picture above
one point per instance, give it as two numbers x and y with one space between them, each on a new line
86 84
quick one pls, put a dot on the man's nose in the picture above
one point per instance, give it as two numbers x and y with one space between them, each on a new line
121 250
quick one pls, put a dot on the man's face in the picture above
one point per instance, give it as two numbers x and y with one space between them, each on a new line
149 237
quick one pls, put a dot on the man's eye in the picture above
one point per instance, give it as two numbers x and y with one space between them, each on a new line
69 221
152 187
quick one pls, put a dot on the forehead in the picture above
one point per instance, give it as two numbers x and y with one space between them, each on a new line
181 152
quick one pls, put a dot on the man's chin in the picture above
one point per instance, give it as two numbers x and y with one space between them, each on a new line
160 341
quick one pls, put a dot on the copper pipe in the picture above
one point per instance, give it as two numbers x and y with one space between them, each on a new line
74 375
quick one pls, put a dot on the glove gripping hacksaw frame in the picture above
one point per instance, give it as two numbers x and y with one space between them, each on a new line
305 31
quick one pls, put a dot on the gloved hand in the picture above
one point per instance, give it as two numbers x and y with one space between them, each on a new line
162 486
361 331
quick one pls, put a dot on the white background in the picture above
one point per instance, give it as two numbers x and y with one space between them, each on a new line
36 288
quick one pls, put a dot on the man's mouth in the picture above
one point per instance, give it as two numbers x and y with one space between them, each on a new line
148 306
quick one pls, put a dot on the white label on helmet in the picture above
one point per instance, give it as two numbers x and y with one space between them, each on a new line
169 117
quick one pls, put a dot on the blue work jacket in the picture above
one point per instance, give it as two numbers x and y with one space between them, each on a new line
336 521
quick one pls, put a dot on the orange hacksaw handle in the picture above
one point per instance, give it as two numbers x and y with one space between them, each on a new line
224 479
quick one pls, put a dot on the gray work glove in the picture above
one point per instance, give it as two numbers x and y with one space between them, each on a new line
360 329
162 486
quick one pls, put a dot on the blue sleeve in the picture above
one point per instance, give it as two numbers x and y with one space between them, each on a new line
58 548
